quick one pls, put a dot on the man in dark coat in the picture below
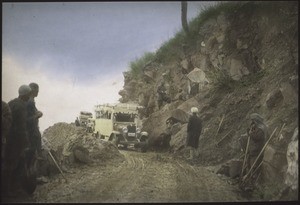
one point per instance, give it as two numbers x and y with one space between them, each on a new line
258 134
194 129
33 119
5 127
17 140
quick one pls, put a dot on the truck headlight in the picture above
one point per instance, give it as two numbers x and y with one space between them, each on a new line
138 130
125 130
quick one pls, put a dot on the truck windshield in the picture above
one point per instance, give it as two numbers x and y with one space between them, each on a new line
123 117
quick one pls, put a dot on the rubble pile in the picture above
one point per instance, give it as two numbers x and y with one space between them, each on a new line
72 145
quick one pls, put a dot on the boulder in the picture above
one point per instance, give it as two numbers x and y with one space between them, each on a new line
294 82
197 76
221 38
178 140
149 75
274 163
175 128
210 44
236 69
232 168
179 115
70 144
274 98
155 124
187 105
292 173
235 168
201 61
185 64
288 93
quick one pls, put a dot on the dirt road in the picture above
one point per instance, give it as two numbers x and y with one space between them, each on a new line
142 177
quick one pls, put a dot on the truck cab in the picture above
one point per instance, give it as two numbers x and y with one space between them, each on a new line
83 118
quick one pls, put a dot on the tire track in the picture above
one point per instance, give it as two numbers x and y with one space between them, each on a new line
144 177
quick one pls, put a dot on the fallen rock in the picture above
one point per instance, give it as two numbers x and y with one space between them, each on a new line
70 144
178 140
236 69
292 173
274 163
175 128
232 168
180 116
274 98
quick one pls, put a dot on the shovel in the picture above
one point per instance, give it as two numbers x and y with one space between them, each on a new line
54 160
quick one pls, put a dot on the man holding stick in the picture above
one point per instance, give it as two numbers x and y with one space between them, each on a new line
257 134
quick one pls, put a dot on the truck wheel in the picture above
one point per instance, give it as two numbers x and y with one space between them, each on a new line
144 148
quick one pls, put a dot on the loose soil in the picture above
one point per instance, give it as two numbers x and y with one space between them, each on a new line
141 177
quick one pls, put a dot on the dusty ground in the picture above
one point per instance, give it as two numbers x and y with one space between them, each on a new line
142 177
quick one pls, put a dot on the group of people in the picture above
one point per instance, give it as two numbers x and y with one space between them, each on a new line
252 143
20 136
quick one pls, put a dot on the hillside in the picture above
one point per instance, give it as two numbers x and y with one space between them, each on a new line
238 58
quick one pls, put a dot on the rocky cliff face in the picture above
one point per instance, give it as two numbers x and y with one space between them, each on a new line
241 62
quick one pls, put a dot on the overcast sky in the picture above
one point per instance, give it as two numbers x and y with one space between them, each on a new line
77 51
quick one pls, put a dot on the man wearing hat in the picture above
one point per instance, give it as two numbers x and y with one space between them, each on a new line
33 119
194 129
17 141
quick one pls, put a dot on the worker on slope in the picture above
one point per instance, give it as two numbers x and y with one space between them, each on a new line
194 129
257 133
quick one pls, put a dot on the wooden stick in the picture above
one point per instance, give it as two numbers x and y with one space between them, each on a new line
256 169
280 131
57 165
255 183
253 172
220 124
223 138
260 154
245 158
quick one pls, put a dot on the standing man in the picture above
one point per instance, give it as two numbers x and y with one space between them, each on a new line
33 120
194 129
18 140
5 127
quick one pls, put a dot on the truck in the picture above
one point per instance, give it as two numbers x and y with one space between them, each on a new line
120 124
83 118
